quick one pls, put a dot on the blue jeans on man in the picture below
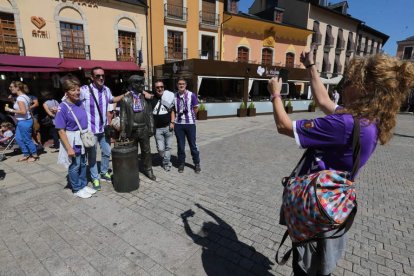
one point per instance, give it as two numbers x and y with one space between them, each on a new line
77 172
106 153
183 131
164 139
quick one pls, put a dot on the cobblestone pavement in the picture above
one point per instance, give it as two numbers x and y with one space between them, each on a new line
45 230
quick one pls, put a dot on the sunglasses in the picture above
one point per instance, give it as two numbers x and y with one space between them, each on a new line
99 76
159 87
181 83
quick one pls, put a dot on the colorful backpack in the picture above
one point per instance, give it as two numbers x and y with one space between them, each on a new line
319 202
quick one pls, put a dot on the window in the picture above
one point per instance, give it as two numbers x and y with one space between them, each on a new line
290 60
175 9
243 54
267 56
316 36
127 50
408 52
208 12
8 36
73 42
329 39
175 46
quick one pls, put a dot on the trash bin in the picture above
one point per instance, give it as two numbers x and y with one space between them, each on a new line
125 168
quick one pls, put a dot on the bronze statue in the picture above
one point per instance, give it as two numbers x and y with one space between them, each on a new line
137 122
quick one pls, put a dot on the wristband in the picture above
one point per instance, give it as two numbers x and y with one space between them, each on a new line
172 123
309 65
274 96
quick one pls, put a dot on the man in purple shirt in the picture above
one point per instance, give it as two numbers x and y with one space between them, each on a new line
98 92
186 108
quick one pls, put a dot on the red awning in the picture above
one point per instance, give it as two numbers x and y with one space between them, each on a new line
12 63
82 64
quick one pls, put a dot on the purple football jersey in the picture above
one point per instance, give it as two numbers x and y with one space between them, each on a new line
331 138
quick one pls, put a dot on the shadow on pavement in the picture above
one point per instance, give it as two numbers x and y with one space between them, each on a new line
222 252
403 135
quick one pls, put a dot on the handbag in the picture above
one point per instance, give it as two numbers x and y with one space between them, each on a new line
108 130
87 136
316 203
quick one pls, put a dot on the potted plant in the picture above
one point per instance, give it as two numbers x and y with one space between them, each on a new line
242 111
202 112
251 111
311 107
289 107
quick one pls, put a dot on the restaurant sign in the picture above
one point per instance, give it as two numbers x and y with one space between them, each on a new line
267 72
39 22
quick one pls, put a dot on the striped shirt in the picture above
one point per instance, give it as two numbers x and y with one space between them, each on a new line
184 107
104 98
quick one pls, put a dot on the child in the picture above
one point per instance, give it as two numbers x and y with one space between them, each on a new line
7 130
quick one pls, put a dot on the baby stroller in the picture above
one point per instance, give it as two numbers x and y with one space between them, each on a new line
8 146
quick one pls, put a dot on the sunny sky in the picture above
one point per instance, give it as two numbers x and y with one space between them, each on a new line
391 17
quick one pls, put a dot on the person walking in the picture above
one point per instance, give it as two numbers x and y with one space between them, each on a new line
96 97
162 104
21 110
51 106
72 152
186 108
372 91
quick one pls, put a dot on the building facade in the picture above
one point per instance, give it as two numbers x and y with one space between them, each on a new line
405 49
74 29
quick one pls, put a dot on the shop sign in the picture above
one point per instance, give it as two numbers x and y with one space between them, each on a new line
85 3
267 72
39 22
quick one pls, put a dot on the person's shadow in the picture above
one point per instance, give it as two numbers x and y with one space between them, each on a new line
222 253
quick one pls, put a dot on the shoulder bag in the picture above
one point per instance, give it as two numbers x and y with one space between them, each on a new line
317 203
87 137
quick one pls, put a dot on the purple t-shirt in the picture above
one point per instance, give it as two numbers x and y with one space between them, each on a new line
331 138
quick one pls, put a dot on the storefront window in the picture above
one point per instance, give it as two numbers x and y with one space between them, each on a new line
221 90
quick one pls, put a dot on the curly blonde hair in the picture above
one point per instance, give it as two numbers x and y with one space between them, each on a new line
383 83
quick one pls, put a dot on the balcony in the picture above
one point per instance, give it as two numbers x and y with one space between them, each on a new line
317 39
123 56
172 56
12 46
74 50
209 20
175 14
211 55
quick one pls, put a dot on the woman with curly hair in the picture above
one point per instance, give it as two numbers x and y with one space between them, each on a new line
372 91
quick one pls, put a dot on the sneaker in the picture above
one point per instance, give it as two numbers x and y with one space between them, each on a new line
82 194
89 190
167 168
96 185
197 168
181 168
106 176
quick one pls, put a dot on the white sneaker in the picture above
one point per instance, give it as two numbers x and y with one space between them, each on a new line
89 190
82 194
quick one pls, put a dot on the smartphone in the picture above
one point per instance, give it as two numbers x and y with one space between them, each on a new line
284 74
285 89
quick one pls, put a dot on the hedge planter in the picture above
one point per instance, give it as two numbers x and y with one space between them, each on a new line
202 115
241 112
251 112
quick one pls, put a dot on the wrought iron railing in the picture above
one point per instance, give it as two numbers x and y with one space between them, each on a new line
74 50
174 55
209 18
203 54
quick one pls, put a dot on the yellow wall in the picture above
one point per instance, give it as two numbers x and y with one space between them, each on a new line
99 23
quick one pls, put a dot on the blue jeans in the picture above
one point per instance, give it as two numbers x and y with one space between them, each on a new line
164 138
24 137
77 172
106 153
188 131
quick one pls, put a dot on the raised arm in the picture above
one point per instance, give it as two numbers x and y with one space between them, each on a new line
319 92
